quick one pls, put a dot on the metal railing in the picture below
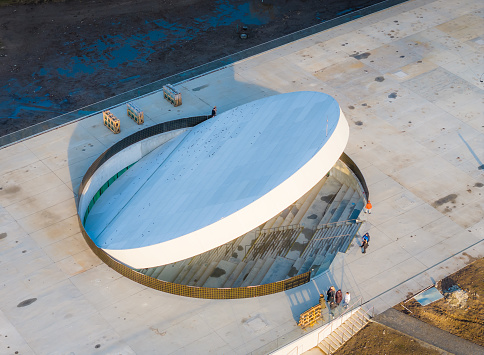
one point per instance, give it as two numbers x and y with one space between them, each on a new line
337 224
350 329
333 237
280 228
316 237
297 333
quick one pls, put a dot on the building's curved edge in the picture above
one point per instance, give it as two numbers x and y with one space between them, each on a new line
192 291
121 160
128 141
168 287
286 130
245 219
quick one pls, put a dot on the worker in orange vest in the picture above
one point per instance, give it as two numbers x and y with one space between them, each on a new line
368 207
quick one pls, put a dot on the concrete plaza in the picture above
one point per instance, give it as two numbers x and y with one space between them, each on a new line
409 82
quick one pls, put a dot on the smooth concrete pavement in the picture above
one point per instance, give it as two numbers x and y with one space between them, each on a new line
408 81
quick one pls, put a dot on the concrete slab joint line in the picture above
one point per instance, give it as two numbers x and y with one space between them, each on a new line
427 333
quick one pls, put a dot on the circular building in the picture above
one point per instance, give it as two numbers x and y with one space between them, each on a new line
243 193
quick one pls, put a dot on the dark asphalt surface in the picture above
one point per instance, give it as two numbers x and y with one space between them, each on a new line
427 333
38 83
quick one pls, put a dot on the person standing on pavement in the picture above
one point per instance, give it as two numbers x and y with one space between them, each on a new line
330 298
330 295
339 297
368 207
214 111
365 242
347 300
321 299
322 303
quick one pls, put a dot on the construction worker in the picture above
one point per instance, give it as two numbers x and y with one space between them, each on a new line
365 242
368 207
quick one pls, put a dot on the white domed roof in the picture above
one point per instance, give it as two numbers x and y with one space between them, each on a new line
219 180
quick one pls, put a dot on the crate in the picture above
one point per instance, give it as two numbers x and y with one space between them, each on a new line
171 95
311 316
111 122
135 113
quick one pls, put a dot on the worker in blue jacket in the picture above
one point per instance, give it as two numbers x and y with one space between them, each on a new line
365 242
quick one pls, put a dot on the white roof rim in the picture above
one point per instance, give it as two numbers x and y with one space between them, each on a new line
247 218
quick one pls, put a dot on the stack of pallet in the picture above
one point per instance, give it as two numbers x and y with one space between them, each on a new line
111 122
311 316
135 113
173 96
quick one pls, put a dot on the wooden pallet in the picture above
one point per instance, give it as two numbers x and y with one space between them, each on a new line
171 95
311 316
135 113
111 122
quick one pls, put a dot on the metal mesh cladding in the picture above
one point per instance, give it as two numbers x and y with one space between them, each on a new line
354 168
191 291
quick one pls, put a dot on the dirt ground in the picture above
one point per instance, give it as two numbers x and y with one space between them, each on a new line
377 339
461 311
59 56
